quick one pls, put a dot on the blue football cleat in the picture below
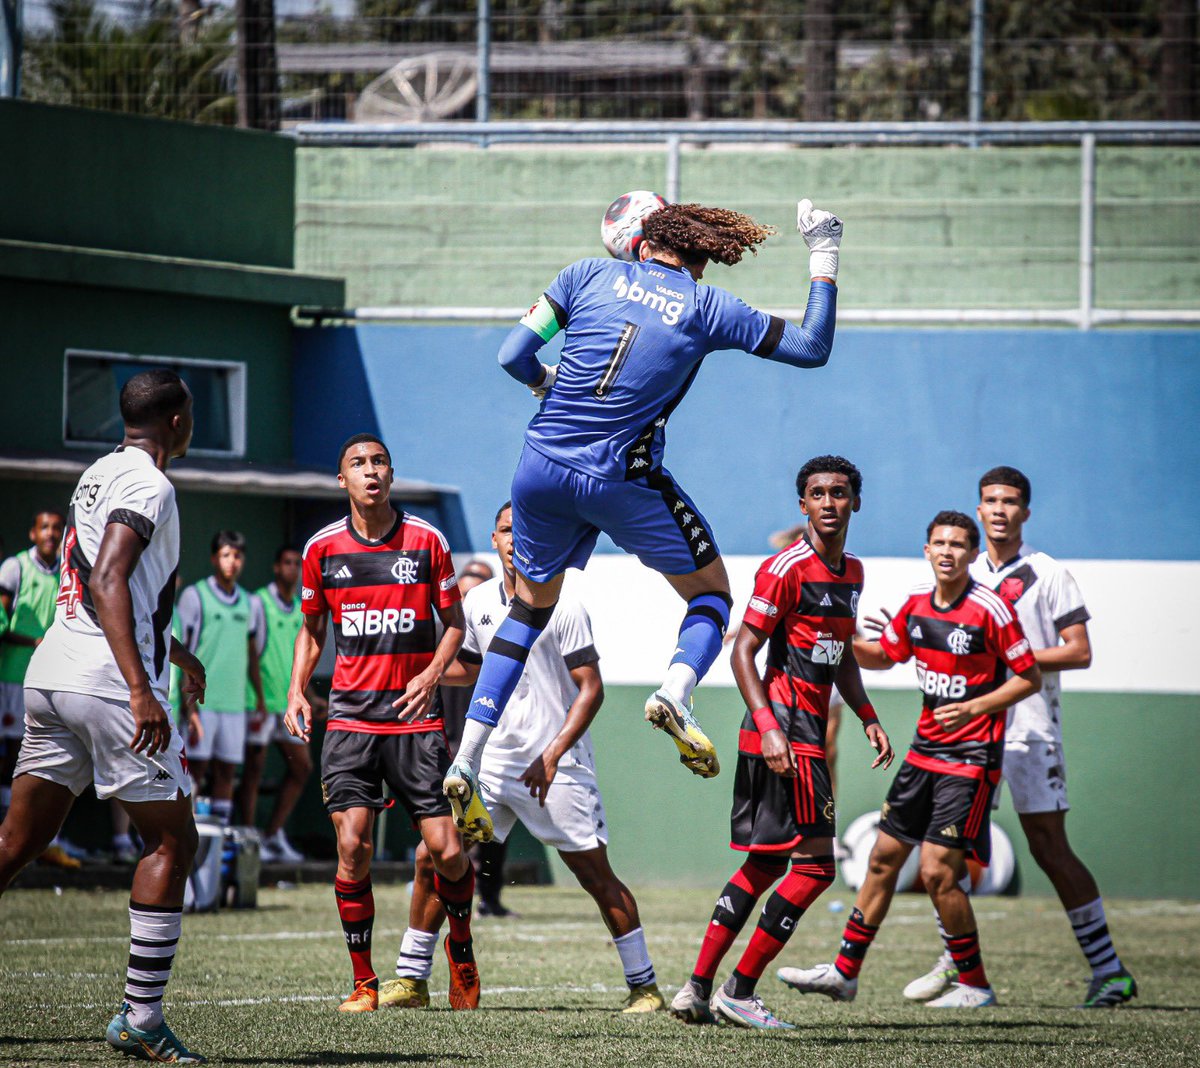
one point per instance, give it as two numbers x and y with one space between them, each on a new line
159 1045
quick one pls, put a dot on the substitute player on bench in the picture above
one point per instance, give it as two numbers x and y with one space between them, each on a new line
1051 610
382 575
538 768
95 693
804 607
964 638
636 334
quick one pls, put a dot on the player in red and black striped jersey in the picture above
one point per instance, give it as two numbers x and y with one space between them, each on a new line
965 640
803 608
382 576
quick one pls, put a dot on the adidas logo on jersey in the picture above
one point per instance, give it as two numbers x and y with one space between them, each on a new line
826 601
916 632
670 310
343 572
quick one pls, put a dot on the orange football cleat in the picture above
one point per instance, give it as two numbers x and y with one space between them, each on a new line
464 975
364 999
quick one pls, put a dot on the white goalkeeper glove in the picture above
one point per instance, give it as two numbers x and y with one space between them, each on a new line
822 233
542 388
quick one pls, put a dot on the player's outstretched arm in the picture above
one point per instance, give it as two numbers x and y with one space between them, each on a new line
518 353
775 748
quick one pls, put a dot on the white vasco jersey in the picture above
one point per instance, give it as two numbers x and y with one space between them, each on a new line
1046 600
538 707
122 487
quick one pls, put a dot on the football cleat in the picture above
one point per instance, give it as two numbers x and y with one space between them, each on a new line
821 979
159 1045
647 998
1109 991
464 975
364 999
471 816
934 982
690 1007
961 996
57 857
747 1012
696 752
404 993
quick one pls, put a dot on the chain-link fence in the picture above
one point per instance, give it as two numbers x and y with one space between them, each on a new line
415 60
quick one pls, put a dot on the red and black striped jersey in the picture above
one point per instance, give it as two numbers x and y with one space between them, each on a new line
963 651
809 612
382 596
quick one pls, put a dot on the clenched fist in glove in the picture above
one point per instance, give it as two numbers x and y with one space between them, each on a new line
550 373
822 233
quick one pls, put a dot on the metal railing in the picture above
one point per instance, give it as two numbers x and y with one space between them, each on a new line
674 135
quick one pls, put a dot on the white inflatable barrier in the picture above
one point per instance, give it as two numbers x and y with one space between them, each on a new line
859 840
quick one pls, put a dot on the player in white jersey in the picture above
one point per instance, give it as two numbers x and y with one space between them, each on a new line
96 689
538 768
1054 617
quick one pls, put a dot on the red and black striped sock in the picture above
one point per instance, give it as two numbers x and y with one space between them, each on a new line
965 951
356 907
807 880
733 909
856 940
455 896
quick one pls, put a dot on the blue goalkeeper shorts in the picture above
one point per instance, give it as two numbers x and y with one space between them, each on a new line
558 514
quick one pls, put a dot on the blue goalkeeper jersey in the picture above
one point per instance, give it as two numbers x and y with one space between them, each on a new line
636 334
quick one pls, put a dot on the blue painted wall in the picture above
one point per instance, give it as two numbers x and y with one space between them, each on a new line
1106 424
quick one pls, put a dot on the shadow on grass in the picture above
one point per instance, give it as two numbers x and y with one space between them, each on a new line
327 1056
25 1040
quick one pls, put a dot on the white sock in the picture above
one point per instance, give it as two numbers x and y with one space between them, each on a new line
222 808
1091 932
474 738
681 680
416 954
635 958
153 937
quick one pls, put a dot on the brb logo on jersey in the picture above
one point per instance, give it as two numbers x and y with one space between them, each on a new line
670 310
361 622
939 684
405 571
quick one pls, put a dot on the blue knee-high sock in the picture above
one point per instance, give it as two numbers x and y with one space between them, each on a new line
505 659
701 631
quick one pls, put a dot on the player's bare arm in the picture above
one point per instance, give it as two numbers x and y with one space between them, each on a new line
417 695
868 652
306 652
194 679
775 748
255 675
850 685
540 773
461 673
951 717
1074 653
119 552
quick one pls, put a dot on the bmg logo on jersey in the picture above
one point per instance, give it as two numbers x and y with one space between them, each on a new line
670 310
939 684
405 570
367 622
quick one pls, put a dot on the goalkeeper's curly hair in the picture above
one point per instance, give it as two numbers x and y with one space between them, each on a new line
698 233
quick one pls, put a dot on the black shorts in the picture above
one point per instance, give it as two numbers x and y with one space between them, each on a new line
772 814
356 765
951 810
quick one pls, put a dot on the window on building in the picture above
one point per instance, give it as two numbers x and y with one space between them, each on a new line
92 388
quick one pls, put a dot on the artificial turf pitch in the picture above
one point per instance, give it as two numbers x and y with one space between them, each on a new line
261 987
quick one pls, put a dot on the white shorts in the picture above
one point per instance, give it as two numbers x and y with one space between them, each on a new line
572 820
1036 773
263 728
12 710
77 739
224 737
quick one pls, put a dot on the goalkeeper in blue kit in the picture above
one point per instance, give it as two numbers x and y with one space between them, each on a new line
636 335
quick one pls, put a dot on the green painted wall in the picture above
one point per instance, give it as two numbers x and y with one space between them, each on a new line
1130 776
102 180
925 227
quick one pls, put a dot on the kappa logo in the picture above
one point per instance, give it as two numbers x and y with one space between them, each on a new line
695 532
702 547
485 702
343 572
669 310
405 570
679 506
949 832
959 642
485 620
639 462
687 517
162 776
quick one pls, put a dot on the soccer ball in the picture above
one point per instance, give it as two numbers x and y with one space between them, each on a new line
621 230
